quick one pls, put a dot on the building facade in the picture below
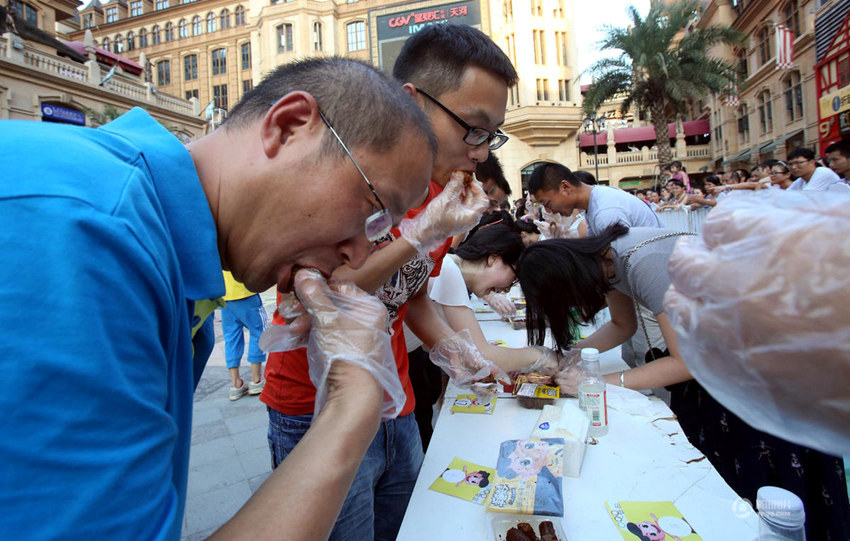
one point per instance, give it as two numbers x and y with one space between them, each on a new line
216 50
774 108
832 52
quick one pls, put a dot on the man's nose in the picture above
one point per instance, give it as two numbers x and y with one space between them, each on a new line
354 251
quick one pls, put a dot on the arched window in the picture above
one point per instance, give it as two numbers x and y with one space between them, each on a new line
743 71
225 19
791 14
743 123
143 38
211 22
155 35
182 29
356 33
764 45
169 31
131 41
793 97
317 36
119 44
765 112
240 16
196 25
106 44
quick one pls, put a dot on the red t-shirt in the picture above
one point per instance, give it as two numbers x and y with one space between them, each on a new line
288 387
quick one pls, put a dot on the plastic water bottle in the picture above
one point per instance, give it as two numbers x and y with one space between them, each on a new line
592 396
781 515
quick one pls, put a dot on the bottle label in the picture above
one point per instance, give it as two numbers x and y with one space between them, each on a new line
596 406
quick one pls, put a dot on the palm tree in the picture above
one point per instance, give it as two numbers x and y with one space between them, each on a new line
664 62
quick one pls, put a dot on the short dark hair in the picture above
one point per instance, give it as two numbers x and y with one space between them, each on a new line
584 177
354 96
712 179
768 163
678 183
493 239
678 164
806 153
558 276
842 147
526 226
548 176
491 168
436 58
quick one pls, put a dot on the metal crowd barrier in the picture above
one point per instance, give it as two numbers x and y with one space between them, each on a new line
685 219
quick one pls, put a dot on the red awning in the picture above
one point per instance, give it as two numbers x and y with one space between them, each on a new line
644 134
107 57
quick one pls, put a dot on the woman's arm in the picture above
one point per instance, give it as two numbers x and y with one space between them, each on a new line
621 327
508 359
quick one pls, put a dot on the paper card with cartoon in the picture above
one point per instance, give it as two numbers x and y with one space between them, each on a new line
499 342
465 480
529 478
470 403
651 521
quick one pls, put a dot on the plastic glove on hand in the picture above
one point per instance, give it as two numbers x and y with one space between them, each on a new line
500 304
456 210
461 360
568 379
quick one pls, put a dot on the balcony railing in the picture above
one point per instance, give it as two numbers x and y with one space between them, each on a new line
642 156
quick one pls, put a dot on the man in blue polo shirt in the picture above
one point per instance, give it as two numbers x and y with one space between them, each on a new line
125 232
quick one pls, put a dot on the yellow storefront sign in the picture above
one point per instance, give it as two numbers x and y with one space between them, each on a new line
835 103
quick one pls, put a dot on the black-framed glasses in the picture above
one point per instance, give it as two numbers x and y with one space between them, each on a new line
379 223
798 163
474 135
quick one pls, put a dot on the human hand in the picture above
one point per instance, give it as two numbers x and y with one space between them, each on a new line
568 379
500 304
294 334
456 210
350 326
465 365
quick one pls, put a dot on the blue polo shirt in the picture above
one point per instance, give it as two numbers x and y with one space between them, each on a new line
107 240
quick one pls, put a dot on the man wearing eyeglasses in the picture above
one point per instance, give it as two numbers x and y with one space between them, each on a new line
810 177
838 156
127 232
460 78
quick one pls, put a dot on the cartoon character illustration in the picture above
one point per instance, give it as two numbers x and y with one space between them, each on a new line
657 529
466 403
529 457
479 478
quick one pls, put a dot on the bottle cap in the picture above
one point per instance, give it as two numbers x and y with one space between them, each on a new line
589 354
780 506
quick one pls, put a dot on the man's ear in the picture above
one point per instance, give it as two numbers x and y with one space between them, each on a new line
565 187
294 114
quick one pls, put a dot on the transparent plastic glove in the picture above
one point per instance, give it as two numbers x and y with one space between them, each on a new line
461 360
348 325
291 336
456 210
547 364
500 304
552 230
761 304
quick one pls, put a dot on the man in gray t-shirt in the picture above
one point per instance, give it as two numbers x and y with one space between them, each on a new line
555 187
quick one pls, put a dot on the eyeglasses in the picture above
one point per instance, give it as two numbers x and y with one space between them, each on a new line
379 223
474 135
798 163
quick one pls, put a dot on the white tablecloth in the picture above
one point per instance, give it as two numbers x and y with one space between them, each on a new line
644 457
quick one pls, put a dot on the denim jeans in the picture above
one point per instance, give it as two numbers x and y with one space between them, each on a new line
377 500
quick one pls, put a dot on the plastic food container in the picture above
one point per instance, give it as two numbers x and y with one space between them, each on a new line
500 524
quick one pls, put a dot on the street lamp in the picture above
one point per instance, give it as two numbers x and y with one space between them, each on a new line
594 124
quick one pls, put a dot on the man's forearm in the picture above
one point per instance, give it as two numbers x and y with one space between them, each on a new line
425 320
379 267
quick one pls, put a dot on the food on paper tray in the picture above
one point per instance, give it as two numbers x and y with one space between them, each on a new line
517 528
533 390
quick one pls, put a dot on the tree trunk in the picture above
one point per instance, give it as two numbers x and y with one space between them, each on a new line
662 133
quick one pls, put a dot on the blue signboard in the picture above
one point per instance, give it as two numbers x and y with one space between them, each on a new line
62 114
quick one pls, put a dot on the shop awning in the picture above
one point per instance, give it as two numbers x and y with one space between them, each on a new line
739 157
770 147
644 133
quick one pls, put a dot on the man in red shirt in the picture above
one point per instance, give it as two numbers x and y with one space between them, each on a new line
460 78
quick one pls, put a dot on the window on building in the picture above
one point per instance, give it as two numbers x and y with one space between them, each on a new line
356 33
131 41
718 127
143 38
192 94
539 46
111 15
791 14
197 30
163 72
765 112
793 97
136 8
843 68
161 4
513 95
563 90
508 10
743 71
107 43
225 19
317 36
247 86
169 31
764 45
212 22
239 16
190 67
155 35
561 47
119 44
220 96
743 124
182 29
219 61
542 90
246 56
88 20
284 38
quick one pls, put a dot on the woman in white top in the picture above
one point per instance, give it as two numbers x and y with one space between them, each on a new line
484 264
